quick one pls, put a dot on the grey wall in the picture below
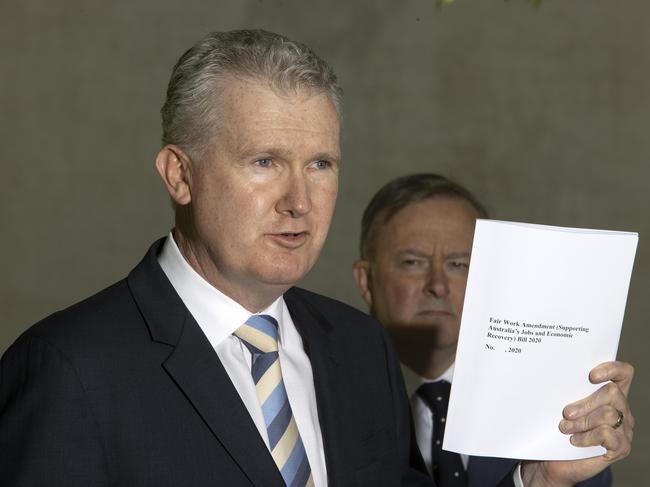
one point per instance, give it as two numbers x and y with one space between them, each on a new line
543 112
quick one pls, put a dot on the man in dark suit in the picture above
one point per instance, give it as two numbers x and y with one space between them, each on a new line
205 367
416 240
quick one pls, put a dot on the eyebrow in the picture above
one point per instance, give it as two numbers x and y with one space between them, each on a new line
253 150
458 255
413 252
419 253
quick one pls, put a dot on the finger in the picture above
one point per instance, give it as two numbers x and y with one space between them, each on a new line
621 373
603 416
608 395
614 441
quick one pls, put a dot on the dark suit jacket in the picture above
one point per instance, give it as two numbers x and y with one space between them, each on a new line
124 389
486 471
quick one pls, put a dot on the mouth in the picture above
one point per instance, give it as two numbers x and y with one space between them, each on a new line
289 240
435 312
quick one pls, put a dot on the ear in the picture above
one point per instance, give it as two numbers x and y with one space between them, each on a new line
361 273
174 169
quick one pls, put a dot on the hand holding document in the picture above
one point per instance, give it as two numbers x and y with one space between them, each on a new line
543 306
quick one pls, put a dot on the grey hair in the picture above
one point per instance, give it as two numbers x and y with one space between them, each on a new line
191 112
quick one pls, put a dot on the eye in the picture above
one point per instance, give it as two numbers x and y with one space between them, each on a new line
322 164
263 162
412 263
459 264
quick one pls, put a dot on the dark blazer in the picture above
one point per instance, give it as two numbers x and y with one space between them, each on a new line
124 389
486 471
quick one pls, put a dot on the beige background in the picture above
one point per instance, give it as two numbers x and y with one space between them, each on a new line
543 112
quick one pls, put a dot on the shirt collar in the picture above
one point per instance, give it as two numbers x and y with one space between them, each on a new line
217 314
413 380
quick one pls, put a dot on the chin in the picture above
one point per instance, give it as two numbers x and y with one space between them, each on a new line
282 274
432 334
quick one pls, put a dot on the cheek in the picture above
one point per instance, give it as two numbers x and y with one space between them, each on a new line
328 204
324 188
215 193
401 298
247 203
323 203
458 294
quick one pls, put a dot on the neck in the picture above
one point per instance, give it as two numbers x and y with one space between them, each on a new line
253 297
416 352
433 366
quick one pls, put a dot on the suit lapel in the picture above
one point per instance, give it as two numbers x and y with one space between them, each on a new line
320 345
197 371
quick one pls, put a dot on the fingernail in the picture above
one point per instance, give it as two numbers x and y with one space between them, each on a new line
571 412
565 426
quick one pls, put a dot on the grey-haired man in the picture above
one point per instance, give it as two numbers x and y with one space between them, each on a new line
205 366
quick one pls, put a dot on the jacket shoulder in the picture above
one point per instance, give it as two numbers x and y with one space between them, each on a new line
329 306
346 320
94 319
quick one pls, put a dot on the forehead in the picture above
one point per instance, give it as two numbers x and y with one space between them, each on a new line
254 112
442 220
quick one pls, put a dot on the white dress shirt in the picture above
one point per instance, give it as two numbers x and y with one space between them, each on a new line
219 316
423 417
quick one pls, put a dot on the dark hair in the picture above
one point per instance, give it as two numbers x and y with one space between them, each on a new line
404 191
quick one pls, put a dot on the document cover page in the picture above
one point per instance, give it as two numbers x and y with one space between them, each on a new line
543 306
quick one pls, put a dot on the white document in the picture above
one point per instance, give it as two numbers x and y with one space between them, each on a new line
543 306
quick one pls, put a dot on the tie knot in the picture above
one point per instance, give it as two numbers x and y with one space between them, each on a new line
259 334
436 395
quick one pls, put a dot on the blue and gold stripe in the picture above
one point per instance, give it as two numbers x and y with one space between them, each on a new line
260 335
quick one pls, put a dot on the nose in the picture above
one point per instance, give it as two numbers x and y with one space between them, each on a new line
438 282
296 198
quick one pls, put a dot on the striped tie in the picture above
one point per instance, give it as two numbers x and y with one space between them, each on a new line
260 335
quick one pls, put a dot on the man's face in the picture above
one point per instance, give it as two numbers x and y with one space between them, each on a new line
263 197
416 279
